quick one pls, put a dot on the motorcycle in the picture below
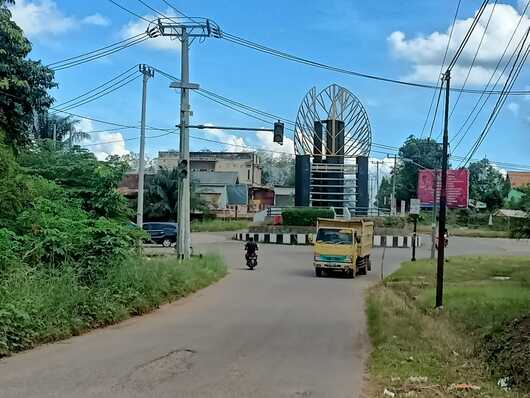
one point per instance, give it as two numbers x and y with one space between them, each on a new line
446 242
252 261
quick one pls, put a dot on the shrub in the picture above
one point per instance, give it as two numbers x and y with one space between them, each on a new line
305 217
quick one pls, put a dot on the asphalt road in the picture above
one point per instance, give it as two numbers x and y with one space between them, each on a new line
274 332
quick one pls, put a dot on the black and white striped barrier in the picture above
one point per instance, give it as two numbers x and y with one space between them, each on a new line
307 239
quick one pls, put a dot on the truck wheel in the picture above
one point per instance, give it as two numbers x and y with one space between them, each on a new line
166 242
318 272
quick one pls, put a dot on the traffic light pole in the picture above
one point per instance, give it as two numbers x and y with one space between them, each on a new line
184 228
443 198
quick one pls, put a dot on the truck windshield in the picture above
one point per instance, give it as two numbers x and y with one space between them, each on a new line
334 236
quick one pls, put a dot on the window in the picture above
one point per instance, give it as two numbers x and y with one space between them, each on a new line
334 236
248 172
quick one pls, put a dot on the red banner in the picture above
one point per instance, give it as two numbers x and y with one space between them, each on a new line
457 187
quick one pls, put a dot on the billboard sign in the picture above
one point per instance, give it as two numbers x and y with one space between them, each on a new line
457 188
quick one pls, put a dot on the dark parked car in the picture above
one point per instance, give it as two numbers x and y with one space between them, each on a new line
162 233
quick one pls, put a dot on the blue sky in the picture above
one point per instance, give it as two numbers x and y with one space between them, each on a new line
394 39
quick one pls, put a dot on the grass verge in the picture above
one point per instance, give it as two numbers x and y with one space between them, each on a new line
468 232
38 306
460 344
218 225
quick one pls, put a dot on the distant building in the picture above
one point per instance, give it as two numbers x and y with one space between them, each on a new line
518 179
245 164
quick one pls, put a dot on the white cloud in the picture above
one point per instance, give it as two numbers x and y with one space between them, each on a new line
137 27
102 144
260 140
513 107
426 52
42 18
96 19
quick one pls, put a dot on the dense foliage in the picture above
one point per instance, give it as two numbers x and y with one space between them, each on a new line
487 184
277 169
23 83
305 217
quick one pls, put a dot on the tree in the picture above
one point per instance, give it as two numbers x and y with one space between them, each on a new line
161 196
486 184
23 83
65 129
79 172
277 170
384 193
414 152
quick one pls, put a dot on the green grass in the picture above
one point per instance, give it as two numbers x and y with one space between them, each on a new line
482 232
218 225
38 306
410 338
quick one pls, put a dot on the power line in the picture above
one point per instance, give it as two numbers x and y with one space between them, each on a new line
96 88
94 57
436 110
523 13
439 74
116 86
474 58
129 11
512 76
121 42
468 35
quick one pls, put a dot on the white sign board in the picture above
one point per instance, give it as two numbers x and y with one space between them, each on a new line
414 206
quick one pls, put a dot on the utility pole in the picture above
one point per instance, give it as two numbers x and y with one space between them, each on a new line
434 206
184 238
54 135
443 198
186 32
393 203
147 72
377 186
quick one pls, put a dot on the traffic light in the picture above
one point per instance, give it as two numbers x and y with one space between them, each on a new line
183 168
278 132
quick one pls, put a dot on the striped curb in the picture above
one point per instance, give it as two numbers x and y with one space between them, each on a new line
307 239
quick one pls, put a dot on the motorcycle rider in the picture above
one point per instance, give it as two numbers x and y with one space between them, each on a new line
251 248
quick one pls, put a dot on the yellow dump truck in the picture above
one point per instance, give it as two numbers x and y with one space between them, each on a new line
343 246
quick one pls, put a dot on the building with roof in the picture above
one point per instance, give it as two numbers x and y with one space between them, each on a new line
283 196
245 164
518 179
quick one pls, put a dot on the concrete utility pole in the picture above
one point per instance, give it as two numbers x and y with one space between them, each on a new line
443 198
393 203
186 32
54 135
433 224
147 72
184 228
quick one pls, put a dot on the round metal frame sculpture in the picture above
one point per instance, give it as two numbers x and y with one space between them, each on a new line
334 103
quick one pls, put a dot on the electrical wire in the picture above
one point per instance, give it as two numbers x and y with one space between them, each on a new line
436 110
102 54
469 32
129 11
474 58
105 92
512 76
96 88
121 42
523 13
440 73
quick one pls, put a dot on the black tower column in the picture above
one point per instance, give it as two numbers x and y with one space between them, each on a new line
362 202
302 175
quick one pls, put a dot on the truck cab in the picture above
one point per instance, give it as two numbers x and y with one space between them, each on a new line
343 246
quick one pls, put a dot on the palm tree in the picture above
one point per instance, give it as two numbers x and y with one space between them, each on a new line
66 130
161 196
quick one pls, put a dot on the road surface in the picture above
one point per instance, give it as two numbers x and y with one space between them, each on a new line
274 332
